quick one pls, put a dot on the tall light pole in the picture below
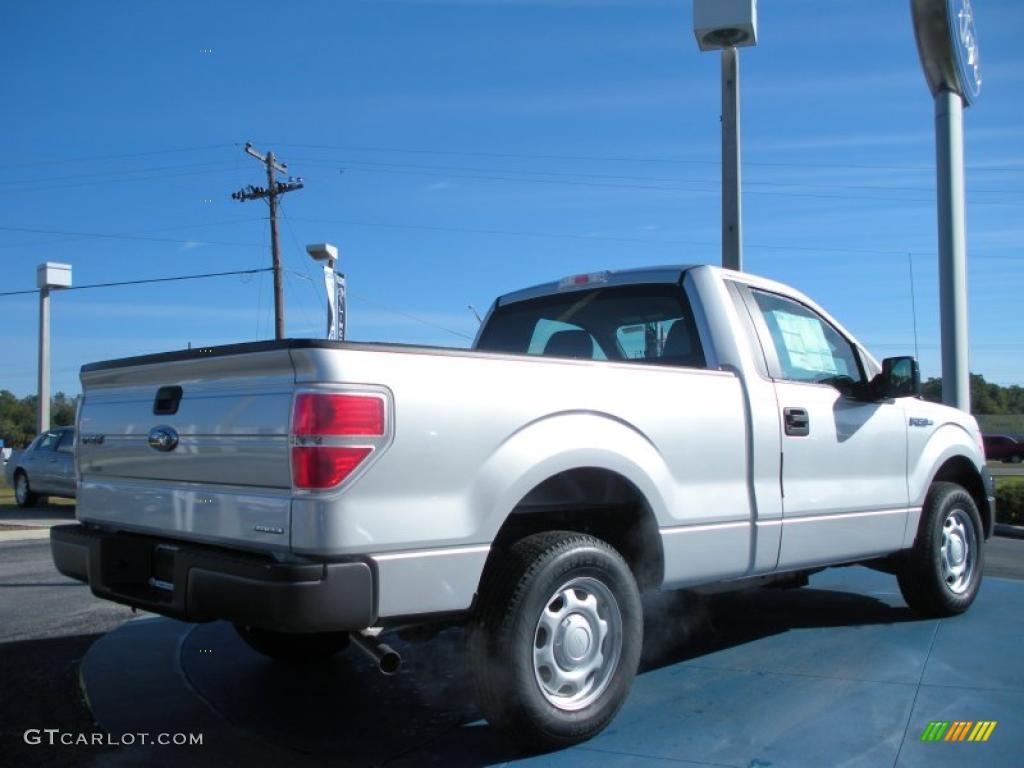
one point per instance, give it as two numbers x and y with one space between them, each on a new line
949 53
48 275
726 25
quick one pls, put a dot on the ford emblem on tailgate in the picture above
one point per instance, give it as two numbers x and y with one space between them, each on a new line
163 438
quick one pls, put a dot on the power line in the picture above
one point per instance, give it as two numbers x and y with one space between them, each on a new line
98 158
135 234
627 159
608 238
394 311
226 164
658 179
647 187
157 176
107 236
625 239
146 280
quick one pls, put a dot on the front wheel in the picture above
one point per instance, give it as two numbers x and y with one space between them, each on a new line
23 494
293 648
941 575
556 639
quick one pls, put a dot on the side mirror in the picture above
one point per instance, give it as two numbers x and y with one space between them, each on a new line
900 377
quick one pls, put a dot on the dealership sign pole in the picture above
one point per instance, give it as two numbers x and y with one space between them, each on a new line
948 47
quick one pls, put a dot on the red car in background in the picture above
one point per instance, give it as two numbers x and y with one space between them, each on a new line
1003 448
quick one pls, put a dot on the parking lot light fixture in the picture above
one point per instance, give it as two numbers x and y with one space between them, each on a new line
48 275
726 25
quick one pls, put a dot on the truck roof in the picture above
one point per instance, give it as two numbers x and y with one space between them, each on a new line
641 276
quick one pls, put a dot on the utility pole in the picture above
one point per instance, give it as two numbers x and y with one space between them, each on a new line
271 191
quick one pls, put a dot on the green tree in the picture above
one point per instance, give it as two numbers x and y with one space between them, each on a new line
986 398
18 416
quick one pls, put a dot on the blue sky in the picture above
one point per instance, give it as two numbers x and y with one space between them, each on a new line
485 145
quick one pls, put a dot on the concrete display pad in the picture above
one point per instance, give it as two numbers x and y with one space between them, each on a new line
837 673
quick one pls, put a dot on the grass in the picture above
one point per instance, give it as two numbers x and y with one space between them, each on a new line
1010 500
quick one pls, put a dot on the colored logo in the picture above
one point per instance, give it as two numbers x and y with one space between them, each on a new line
967 58
958 730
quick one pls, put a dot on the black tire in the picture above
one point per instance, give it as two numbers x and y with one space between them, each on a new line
941 575
573 583
1015 459
23 494
293 648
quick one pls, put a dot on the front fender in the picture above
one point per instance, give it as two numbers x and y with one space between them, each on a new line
946 442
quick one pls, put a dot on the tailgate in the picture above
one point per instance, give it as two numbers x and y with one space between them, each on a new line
189 444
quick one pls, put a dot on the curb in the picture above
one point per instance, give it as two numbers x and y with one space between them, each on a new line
1010 531
25 535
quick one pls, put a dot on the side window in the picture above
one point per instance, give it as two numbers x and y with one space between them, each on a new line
48 442
67 442
808 348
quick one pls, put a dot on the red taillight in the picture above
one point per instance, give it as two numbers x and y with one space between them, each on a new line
319 458
325 466
358 415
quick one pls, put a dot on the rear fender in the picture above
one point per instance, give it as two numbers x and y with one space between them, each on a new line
556 444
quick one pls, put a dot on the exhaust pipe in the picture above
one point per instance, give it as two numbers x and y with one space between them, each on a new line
388 659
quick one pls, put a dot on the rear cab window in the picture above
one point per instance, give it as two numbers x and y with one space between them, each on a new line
648 324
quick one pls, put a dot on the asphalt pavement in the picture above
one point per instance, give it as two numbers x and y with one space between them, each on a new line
48 622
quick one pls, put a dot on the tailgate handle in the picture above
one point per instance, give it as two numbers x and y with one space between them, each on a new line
167 400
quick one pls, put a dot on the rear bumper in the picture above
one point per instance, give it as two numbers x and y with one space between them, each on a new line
196 583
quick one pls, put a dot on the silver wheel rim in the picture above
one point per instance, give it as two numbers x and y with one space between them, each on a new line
21 489
577 643
959 551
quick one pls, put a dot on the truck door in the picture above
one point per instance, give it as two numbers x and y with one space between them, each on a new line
844 456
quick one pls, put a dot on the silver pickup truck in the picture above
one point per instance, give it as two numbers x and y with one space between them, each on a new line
662 428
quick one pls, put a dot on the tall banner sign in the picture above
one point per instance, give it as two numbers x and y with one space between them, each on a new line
331 302
340 304
336 304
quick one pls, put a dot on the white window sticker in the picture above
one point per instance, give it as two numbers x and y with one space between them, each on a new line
805 342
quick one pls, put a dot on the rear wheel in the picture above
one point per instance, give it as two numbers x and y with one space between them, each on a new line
22 492
941 575
556 639
293 648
